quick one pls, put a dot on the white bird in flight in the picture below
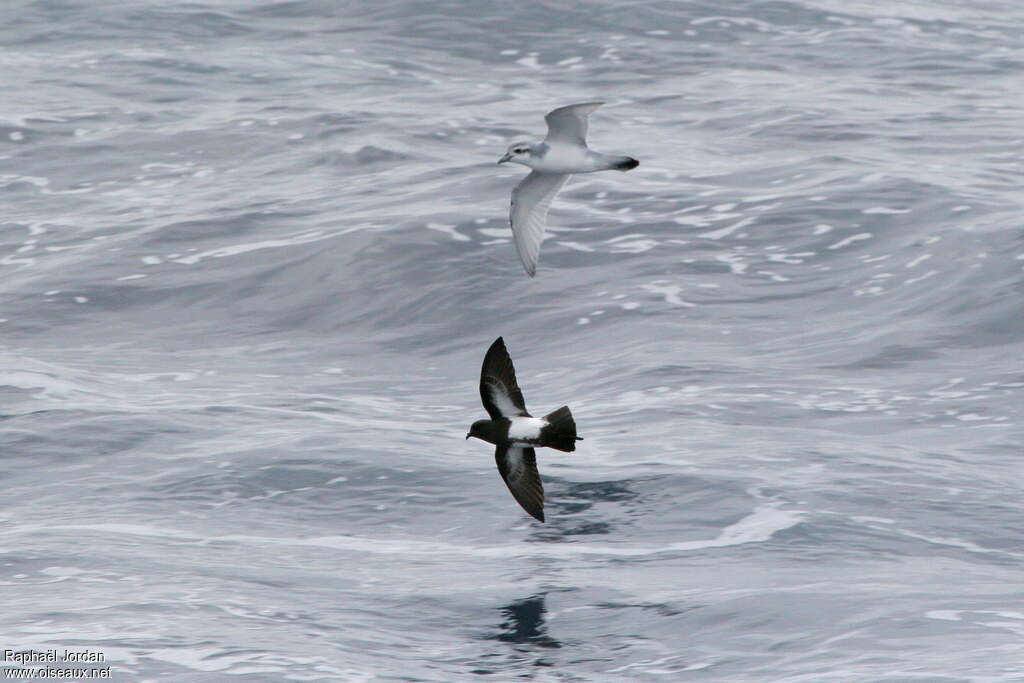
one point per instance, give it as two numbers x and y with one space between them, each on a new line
563 152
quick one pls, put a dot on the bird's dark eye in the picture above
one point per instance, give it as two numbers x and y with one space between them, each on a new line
520 150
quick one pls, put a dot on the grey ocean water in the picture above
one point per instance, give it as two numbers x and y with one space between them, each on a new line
252 253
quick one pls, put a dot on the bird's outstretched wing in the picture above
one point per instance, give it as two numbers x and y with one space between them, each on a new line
529 214
498 388
518 467
569 124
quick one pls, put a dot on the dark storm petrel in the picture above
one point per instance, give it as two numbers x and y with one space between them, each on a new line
515 432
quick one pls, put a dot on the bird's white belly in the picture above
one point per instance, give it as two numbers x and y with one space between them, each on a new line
564 159
525 429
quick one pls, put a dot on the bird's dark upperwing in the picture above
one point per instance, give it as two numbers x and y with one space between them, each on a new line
498 388
518 467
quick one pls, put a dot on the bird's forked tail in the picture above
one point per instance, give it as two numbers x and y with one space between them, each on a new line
560 431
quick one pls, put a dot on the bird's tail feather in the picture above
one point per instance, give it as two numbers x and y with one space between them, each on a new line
624 163
560 431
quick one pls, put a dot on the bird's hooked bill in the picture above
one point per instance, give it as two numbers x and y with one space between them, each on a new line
507 157
468 435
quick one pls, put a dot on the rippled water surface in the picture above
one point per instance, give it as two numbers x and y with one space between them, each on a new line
252 254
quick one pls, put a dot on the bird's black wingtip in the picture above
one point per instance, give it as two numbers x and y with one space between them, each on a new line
496 347
627 164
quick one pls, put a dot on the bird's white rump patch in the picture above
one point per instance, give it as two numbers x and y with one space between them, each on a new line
526 429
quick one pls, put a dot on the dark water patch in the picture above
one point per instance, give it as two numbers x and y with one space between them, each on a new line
524 622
